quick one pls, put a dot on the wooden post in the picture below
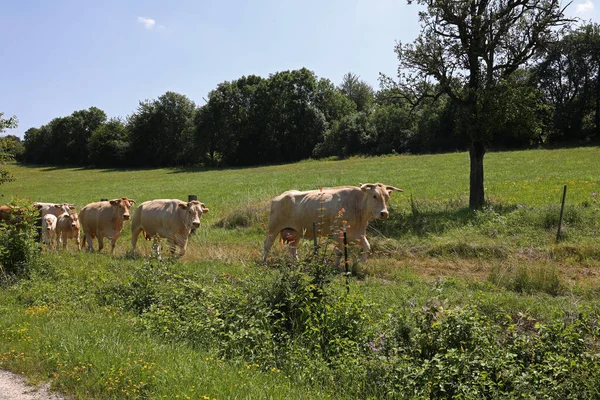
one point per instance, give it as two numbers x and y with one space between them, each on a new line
103 199
315 244
346 261
562 208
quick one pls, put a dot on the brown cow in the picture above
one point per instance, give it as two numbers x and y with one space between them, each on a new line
9 213
104 219
67 227
171 219
293 213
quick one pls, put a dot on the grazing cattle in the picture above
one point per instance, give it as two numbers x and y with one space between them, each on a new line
67 227
104 219
56 209
171 219
49 229
293 213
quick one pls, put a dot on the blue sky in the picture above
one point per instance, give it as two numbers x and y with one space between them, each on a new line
66 55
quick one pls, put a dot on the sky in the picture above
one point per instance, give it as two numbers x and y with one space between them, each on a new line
59 56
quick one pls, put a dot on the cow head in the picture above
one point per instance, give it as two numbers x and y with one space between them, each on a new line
377 196
122 206
63 208
192 212
73 220
50 221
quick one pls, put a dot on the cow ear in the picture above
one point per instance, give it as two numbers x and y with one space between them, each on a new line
71 206
38 206
114 202
364 187
131 202
57 206
183 206
204 209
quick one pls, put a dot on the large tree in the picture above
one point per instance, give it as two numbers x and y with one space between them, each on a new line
470 48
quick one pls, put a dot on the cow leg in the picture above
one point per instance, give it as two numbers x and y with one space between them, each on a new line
366 248
77 242
90 244
113 243
64 241
134 237
268 244
294 248
100 242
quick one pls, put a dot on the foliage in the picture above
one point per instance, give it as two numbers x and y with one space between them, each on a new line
108 145
568 76
469 48
18 251
161 132
5 147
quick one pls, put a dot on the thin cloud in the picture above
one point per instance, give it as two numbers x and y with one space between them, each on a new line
584 7
149 23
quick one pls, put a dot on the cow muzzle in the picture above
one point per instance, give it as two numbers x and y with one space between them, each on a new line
125 217
196 224
384 215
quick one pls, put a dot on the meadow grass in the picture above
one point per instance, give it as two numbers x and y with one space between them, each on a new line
69 322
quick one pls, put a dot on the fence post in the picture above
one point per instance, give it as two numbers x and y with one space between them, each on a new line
562 208
103 199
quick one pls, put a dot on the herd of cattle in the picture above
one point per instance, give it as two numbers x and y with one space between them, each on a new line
292 216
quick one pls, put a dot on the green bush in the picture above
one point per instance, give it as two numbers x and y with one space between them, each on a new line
18 249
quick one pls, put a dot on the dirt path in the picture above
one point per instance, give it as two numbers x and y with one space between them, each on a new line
13 387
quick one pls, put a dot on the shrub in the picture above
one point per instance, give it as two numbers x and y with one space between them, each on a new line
18 249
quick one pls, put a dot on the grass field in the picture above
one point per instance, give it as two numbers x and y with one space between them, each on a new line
111 327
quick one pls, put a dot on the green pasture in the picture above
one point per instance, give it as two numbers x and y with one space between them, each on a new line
123 326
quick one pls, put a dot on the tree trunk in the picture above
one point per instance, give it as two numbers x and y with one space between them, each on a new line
476 190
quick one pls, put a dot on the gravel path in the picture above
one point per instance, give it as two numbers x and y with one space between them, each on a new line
13 387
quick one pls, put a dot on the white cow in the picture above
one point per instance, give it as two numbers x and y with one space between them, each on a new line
171 219
49 229
293 213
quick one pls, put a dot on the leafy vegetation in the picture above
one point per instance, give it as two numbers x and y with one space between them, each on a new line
453 303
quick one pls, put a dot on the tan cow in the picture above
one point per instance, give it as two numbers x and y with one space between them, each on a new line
104 219
67 227
10 214
293 213
171 219
49 229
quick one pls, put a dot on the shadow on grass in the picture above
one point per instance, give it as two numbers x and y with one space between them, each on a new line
421 221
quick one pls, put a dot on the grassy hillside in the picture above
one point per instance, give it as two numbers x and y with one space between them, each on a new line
109 327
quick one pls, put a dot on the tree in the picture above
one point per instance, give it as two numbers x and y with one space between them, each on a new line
569 78
360 92
108 145
162 130
5 124
469 47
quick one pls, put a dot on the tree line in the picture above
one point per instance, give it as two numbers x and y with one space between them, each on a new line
294 115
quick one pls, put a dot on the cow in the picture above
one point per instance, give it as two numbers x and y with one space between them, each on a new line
171 219
49 229
9 214
104 219
56 209
293 213
67 227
